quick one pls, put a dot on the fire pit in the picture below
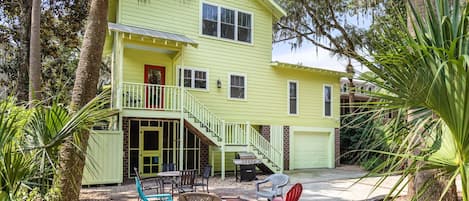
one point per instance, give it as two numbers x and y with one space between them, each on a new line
247 166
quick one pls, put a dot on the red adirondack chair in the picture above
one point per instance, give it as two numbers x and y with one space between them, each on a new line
293 194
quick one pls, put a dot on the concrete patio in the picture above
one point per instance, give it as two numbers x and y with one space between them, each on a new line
318 184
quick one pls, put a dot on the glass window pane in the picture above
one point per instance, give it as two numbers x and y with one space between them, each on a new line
187 78
244 27
210 12
227 23
237 88
327 101
244 34
209 28
293 108
327 110
244 20
292 89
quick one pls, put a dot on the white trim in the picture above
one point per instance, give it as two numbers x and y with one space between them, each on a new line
193 69
245 86
297 98
324 101
218 37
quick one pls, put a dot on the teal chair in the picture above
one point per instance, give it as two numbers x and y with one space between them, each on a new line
142 196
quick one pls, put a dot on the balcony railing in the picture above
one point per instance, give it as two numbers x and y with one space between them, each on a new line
151 97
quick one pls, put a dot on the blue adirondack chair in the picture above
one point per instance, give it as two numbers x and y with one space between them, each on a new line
142 196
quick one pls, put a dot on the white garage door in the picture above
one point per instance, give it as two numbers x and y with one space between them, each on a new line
311 150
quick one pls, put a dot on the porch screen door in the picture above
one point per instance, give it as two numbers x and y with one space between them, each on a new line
154 90
150 146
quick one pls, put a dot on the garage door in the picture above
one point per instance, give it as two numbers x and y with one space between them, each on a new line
311 150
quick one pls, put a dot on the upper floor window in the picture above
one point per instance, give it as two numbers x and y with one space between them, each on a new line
194 78
226 23
293 97
237 86
327 101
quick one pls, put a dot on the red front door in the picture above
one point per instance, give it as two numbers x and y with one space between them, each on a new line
154 90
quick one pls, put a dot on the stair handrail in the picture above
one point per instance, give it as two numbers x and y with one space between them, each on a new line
265 147
200 111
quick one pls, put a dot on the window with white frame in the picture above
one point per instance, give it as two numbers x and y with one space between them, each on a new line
237 86
327 101
226 23
194 78
292 97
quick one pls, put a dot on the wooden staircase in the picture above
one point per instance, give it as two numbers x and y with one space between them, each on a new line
229 135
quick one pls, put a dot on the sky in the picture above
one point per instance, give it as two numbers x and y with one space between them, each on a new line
307 55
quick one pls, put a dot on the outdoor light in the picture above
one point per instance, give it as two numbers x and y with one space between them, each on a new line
218 83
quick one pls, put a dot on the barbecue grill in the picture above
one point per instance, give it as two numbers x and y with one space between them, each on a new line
247 166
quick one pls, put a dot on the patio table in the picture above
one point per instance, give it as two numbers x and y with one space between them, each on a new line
171 174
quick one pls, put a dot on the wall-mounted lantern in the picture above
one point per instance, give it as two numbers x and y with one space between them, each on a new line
218 84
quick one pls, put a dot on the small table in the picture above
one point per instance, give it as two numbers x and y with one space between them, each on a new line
169 174
173 175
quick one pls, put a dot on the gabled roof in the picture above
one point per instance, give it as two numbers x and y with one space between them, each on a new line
306 68
151 33
274 7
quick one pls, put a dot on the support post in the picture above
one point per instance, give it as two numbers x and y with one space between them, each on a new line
212 160
223 162
181 126
248 136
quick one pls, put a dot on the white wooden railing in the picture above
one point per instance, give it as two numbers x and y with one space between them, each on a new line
236 133
168 98
151 97
263 146
202 114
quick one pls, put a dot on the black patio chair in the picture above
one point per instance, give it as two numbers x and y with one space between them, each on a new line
186 181
204 179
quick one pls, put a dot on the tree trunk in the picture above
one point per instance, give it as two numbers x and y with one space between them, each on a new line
35 53
72 159
22 81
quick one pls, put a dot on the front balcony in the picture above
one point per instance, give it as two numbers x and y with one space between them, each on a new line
142 96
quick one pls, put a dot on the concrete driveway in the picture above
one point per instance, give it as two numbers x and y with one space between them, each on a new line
339 184
318 184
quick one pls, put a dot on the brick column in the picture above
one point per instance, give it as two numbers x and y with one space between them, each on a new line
125 129
204 155
337 146
286 147
265 132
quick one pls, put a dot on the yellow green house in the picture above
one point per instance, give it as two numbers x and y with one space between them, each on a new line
194 83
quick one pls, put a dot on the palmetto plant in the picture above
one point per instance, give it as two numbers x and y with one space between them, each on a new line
29 141
424 74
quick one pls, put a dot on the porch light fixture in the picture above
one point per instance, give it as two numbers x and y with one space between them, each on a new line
218 84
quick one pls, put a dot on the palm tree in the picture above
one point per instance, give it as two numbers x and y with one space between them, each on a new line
35 53
72 159
29 141
425 75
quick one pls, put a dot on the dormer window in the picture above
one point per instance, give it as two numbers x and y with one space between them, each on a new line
226 23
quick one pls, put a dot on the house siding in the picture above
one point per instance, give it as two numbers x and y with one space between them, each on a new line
266 102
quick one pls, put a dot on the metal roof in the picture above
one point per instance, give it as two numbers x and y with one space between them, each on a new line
307 68
151 33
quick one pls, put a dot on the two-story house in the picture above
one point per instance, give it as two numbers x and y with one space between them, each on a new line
194 83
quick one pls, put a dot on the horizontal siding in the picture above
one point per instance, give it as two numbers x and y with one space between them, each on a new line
267 86
229 165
